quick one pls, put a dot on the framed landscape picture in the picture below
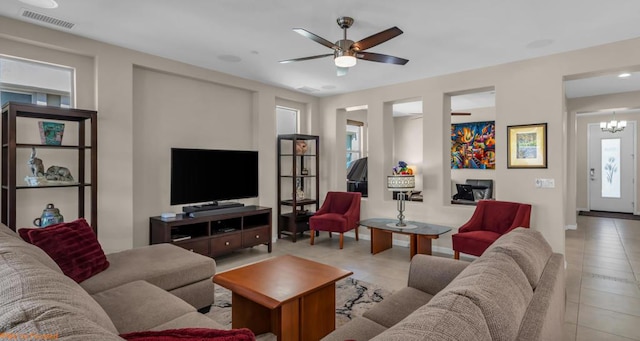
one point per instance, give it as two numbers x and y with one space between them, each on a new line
527 146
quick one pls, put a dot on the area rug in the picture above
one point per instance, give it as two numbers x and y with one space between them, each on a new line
353 298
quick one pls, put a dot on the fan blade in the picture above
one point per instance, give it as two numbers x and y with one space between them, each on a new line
382 58
317 39
460 114
342 71
376 39
305 58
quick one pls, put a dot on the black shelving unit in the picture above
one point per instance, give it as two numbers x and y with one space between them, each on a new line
10 147
294 212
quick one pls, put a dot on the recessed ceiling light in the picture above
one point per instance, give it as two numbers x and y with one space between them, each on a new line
41 3
624 75
229 58
540 43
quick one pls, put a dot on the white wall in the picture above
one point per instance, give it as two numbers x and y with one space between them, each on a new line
128 146
216 117
407 144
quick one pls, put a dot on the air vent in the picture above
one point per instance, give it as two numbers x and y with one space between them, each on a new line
47 19
307 89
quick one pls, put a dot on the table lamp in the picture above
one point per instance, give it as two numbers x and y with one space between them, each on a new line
402 184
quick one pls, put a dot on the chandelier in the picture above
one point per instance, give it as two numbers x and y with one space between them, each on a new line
613 126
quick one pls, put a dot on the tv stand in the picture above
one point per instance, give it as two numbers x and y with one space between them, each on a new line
220 232
212 206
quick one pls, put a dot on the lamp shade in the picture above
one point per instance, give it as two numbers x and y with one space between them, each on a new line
401 182
345 61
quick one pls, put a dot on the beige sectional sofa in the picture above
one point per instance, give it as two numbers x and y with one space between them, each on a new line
152 288
514 291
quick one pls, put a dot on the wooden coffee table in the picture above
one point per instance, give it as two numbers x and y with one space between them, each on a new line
420 235
292 297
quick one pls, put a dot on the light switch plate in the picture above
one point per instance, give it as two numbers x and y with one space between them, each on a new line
545 183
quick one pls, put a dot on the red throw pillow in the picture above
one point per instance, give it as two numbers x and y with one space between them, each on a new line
193 334
73 246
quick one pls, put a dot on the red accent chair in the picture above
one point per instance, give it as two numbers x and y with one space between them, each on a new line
339 213
490 220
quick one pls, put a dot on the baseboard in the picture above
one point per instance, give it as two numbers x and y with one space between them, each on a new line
582 210
442 249
571 227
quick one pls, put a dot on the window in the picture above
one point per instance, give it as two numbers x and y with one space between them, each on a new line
286 120
33 82
12 96
354 141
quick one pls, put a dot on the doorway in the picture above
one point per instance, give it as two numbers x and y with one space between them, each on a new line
611 167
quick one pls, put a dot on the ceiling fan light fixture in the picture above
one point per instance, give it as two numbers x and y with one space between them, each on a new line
344 58
345 61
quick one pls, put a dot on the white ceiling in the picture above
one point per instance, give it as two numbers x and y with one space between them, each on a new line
602 85
247 38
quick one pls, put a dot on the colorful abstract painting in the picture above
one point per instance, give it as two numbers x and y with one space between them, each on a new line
473 145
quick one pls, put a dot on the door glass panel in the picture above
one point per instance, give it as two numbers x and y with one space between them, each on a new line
610 168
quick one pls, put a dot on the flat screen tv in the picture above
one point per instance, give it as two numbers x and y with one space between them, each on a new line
203 175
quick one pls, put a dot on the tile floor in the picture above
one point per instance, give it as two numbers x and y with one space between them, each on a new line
603 273
603 280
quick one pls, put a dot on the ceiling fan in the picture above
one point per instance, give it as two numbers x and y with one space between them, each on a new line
345 51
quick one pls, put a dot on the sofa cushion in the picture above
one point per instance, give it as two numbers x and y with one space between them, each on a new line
528 248
398 306
190 320
495 283
37 299
358 329
447 317
432 274
544 317
4 229
164 265
192 334
12 243
139 306
73 246
58 325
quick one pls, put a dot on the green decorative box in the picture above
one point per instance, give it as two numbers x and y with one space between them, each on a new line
51 133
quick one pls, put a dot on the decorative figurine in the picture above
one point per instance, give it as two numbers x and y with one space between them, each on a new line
35 164
58 173
301 147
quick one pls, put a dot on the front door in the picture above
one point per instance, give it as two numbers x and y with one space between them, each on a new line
611 169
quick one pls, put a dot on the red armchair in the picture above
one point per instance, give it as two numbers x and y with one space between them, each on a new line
490 220
339 213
